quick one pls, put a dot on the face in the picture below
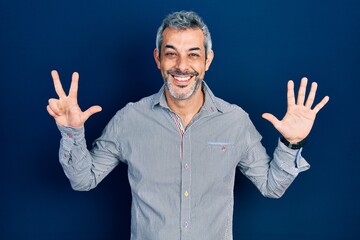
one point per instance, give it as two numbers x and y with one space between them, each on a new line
182 62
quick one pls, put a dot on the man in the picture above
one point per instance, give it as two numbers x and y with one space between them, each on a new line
183 144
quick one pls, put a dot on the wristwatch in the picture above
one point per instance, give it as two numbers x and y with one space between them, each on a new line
295 145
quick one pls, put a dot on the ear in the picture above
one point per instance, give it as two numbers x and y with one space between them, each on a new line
157 57
210 57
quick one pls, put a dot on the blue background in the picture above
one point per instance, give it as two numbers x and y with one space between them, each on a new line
258 46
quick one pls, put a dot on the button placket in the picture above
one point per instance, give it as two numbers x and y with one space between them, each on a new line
186 183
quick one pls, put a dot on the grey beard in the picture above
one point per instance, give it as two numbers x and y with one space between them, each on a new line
186 96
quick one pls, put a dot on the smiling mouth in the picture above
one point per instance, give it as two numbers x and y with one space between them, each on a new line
182 78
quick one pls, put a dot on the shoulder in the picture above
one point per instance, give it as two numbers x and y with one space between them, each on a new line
222 105
231 108
132 109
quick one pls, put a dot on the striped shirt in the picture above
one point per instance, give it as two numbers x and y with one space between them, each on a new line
181 179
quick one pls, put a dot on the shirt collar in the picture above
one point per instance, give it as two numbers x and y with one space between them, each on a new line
211 104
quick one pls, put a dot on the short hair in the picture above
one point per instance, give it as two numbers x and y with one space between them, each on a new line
184 20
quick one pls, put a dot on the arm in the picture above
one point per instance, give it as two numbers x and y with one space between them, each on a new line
85 169
271 176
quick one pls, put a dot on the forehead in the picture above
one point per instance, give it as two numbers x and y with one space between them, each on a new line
183 39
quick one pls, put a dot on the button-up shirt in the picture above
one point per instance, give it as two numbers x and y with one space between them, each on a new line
181 178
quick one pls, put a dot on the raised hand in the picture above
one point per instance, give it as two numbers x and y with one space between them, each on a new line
299 117
66 110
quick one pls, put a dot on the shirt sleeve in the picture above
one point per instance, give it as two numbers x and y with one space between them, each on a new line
87 168
271 176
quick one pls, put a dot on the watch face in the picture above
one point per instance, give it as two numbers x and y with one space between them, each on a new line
295 146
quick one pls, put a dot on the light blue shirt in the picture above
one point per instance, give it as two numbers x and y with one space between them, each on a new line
181 179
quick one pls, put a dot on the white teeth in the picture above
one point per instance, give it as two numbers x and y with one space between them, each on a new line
179 78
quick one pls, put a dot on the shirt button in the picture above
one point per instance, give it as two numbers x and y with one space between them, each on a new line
186 166
186 224
186 193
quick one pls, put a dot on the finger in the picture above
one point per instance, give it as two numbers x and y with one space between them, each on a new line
271 118
312 93
57 84
54 106
51 112
74 85
90 111
290 93
321 104
302 91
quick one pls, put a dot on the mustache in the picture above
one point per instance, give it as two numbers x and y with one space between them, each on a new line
178 72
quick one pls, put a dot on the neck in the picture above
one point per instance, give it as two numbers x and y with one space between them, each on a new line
186 108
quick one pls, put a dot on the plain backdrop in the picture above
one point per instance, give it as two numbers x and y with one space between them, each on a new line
258 45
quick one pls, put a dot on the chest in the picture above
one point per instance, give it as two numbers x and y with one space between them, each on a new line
207 151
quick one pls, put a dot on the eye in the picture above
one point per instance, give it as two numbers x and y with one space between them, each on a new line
170 54
194 55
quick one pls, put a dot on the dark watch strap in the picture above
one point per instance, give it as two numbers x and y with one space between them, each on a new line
295 145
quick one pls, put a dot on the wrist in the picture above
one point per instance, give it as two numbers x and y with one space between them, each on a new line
297 145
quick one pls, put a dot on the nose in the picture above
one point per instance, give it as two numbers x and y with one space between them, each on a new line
182 63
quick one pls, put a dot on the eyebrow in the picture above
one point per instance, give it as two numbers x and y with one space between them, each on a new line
190 49
170 46
194 49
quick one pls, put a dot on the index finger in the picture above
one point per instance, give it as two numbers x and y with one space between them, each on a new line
57 84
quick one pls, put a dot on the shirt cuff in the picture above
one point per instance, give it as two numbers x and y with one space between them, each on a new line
291 160
71 135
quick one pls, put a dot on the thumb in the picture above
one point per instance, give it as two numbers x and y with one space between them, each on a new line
90 111
271 118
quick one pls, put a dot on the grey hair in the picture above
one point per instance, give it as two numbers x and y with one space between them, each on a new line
184 20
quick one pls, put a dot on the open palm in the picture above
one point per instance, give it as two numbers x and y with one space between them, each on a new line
299 118
65 109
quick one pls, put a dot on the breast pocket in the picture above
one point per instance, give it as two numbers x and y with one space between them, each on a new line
220 147
221 159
